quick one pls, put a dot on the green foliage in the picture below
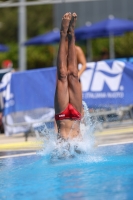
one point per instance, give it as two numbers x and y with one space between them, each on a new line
37 56
12 55
123 46
8 25
98 45
39 21
82 44
40 56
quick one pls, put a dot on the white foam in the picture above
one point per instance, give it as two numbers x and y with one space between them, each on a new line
60 149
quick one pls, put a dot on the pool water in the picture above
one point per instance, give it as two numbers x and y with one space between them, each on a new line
106 172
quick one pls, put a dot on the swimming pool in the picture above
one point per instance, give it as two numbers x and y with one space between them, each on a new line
104 173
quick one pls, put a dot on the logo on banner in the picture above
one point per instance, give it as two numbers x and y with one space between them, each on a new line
99 75
7 99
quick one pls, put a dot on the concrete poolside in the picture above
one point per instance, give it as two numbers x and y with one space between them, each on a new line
109 133
112 136
106 136
16 145
17 142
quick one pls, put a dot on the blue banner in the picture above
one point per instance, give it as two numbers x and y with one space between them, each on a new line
30 90
103 84
107 84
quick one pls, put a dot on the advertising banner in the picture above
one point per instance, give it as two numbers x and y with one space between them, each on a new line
108 84
28 90
104 84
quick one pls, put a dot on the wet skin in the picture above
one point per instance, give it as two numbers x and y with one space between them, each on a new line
68 88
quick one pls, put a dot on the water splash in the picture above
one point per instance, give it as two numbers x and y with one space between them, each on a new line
58 148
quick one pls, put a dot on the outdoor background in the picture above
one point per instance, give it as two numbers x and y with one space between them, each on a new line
44 18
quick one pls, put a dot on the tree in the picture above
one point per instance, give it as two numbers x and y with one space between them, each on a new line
39 21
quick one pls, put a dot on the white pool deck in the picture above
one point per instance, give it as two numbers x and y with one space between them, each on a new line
16 146
104 137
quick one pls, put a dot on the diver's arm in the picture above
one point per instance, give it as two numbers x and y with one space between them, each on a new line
81 60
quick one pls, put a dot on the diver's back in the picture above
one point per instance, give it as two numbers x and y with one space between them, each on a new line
68 128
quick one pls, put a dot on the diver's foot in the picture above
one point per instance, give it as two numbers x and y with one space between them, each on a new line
72 24
65 23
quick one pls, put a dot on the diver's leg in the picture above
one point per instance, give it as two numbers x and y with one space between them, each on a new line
75 94
61 94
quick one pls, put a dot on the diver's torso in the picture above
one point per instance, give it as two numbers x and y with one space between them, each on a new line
68 128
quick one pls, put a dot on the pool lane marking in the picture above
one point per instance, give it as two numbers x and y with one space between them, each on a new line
114 131
21 145
34 153
18 155
37 144
116 143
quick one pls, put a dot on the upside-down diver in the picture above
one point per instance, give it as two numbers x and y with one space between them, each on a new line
68 95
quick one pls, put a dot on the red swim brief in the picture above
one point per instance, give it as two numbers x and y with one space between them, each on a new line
69 113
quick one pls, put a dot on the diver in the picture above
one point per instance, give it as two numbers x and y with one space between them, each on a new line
68 95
